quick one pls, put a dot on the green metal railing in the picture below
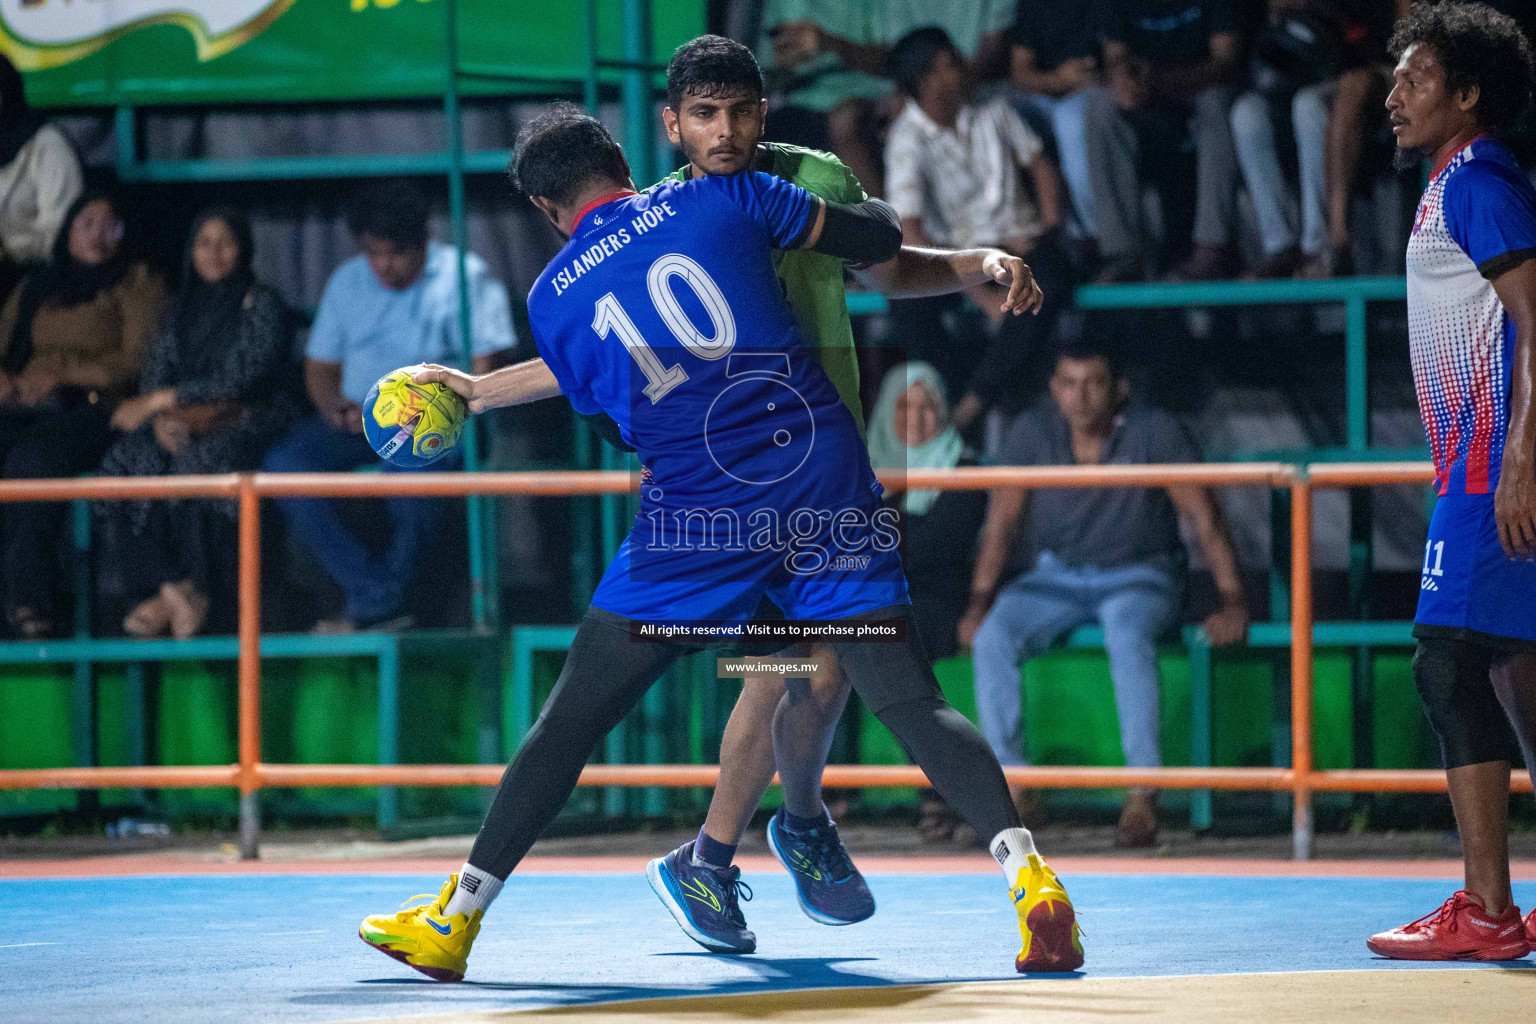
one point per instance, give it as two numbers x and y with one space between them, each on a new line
636 77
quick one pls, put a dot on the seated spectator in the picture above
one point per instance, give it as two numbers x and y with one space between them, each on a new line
39 179
1295 67
909 429
826 77
74 335
1169 66
394 305
215 388
1107 555
977 28
956 174
1055 62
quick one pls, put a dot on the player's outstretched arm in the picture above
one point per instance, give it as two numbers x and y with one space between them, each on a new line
1514 503
917 272
517 384
867 232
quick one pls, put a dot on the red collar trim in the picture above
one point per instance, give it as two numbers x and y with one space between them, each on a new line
599 201
1453 154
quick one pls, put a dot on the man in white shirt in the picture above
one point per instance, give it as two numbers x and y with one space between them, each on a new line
956 172
395 304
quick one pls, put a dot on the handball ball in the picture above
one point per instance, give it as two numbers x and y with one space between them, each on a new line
412 425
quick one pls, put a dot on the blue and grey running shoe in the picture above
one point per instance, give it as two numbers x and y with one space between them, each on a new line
830 888
703 900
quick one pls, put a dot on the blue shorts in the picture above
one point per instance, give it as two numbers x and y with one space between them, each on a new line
697 590
1469 588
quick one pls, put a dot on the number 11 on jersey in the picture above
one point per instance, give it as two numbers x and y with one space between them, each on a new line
1437 548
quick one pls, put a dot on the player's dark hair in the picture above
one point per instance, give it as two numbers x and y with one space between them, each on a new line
395 211
712 66
1084 348
1477 46
562 152
915 54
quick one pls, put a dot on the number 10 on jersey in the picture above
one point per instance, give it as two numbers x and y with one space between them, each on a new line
609 316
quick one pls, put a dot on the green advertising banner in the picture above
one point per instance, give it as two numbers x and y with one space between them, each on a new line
106 52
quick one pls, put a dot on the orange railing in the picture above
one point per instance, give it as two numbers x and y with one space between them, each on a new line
250 773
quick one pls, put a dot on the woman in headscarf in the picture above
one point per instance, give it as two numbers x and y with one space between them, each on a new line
39 179
911 429
216 386
72 341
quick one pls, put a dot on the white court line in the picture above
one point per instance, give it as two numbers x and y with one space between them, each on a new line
18 945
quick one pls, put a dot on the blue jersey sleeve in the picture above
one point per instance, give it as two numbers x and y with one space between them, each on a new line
1490 211
783 210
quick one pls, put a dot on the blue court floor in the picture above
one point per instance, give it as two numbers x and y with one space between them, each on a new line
210 949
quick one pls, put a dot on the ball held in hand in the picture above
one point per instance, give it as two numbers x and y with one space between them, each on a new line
412 425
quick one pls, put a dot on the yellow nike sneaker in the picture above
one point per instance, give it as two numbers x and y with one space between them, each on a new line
424 937
1052 939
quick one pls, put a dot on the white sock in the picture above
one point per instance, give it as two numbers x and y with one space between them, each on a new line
1012 847
475 891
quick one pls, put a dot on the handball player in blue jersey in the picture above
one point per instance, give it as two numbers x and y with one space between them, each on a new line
663 313
1464 73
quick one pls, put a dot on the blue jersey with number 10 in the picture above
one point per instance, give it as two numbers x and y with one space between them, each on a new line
663 311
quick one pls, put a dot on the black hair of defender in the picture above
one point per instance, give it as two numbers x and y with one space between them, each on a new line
712 66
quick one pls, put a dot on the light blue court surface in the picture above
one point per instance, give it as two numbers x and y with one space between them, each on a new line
207 949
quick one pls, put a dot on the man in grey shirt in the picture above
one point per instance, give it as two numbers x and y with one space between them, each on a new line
1110 555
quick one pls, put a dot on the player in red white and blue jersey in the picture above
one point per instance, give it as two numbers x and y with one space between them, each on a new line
1463 73
664 314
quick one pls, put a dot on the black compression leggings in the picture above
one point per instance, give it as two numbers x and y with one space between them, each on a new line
606 673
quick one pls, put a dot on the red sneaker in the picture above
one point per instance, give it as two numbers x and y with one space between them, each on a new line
1460 930
1530 929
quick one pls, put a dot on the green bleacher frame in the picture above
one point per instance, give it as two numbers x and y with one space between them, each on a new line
637 79
387 648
